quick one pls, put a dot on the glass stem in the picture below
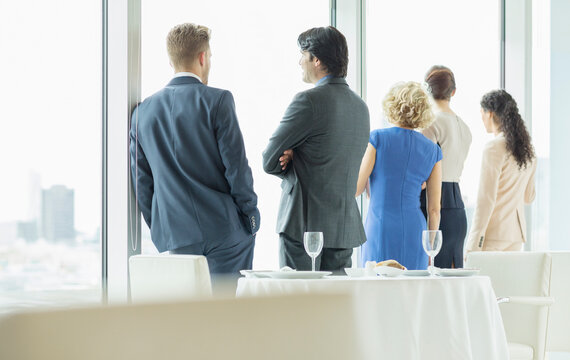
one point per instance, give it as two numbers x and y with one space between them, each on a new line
313 258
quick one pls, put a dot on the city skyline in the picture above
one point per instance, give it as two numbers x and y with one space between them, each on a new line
50 215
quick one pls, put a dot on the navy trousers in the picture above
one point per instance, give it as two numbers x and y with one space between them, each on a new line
453 225
225 256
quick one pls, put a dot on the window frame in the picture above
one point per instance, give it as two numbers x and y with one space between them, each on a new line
120 227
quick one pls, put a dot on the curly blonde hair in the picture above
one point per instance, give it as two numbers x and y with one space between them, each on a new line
407 105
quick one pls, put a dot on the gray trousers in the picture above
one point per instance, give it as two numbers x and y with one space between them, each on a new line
292 253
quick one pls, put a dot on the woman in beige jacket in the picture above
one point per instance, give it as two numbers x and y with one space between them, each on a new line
507 178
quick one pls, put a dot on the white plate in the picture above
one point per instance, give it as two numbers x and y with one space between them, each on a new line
388 271
256 273
356 272
298 274
416 273
457 272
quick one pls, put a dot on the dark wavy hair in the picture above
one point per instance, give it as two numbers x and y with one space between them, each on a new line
329 46
441 82
506 116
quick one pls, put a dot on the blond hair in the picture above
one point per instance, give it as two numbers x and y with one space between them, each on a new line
185 41
407 105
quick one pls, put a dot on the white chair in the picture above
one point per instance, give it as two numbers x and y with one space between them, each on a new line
558 338
521 281
277 328
168 277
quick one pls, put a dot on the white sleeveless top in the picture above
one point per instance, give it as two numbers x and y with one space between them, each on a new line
454 138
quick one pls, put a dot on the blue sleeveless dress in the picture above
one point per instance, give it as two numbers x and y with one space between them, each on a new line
394 224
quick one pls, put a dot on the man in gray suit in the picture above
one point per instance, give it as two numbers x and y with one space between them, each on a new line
192 179
317 150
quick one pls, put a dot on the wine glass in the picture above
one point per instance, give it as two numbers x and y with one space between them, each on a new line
431 241
313 244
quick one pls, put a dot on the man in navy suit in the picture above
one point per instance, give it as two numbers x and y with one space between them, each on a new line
192 179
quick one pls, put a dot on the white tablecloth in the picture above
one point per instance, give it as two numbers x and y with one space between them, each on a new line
411 317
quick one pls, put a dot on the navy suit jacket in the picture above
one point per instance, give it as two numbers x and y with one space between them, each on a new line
189 169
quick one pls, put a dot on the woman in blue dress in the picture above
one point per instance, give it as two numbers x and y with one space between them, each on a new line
397 161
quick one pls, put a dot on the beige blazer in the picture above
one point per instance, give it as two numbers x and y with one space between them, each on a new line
503 191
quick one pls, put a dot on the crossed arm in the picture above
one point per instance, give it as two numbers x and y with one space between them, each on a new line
292 131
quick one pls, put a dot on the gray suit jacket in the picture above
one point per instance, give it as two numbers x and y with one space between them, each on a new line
191 176
328 128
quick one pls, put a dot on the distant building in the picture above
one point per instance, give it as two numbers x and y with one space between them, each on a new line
28 230
58 213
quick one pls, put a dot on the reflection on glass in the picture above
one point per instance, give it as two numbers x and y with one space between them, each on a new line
51 145
463 37
541 121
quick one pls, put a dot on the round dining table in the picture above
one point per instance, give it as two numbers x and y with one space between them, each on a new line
424 317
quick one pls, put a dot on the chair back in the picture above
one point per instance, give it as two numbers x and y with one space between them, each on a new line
519 274
558 338
280 328
168 277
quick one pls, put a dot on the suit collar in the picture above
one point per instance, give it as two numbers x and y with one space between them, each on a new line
186 73
333 80
183 80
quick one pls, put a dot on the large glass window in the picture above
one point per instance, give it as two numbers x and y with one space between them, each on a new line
405 38
50 141
255 56
541 124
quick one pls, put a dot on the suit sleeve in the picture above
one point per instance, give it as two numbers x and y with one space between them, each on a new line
237 171
491 165
292 131
141 173
530 191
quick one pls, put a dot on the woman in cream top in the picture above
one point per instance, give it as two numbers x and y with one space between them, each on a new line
454 137
451 133
507 178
